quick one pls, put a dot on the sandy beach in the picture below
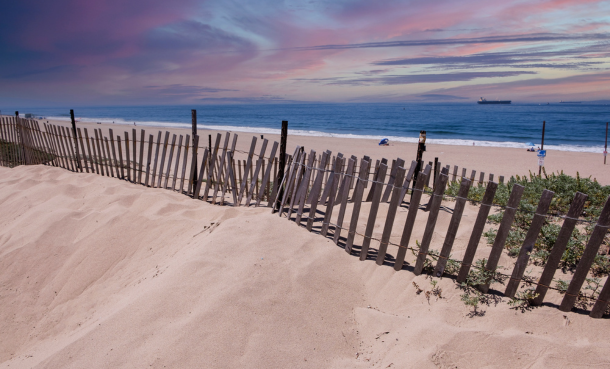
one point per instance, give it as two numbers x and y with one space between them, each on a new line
497 160
101 272
98 272
129 240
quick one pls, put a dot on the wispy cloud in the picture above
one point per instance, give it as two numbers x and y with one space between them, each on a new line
440 97
414 78
527 58
523 38
178 90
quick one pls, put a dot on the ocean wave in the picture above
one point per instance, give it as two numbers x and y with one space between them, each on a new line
296 132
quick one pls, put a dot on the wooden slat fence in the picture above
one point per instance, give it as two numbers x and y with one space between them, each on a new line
326 193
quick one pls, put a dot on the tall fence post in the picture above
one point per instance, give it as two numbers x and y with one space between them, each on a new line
541 147
80 167
280 175
194 163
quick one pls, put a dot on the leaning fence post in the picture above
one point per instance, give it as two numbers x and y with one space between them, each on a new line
328 186
313 196
210 177
407 182
126 156
22 145
267 175
477 231
177 162
169 160
437 170
294 179
135 157
243 184
259 162
109 158
582 269
347 182
370 225
317 184
118 141
231 175
287 179
388 190
456 217
193 171
559 247
187 141
369 197
227 178
502 234
142 135
528 243
106 157
201 171
149 159
389 220
64 150
418 190
334 184
357 199
116 163
435 204
100 154
162 164
92 158
302 192
66 133
221 167
154 172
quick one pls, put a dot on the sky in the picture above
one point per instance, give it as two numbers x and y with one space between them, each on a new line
149 52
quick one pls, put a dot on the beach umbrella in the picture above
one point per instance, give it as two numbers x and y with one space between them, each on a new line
529 144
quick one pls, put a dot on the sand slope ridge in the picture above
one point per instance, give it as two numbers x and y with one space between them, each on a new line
97 272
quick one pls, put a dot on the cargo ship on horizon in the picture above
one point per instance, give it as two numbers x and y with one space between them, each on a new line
484 101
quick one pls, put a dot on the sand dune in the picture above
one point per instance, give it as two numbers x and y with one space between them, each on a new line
98 272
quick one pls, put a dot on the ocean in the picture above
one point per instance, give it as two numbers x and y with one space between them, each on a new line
569 127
